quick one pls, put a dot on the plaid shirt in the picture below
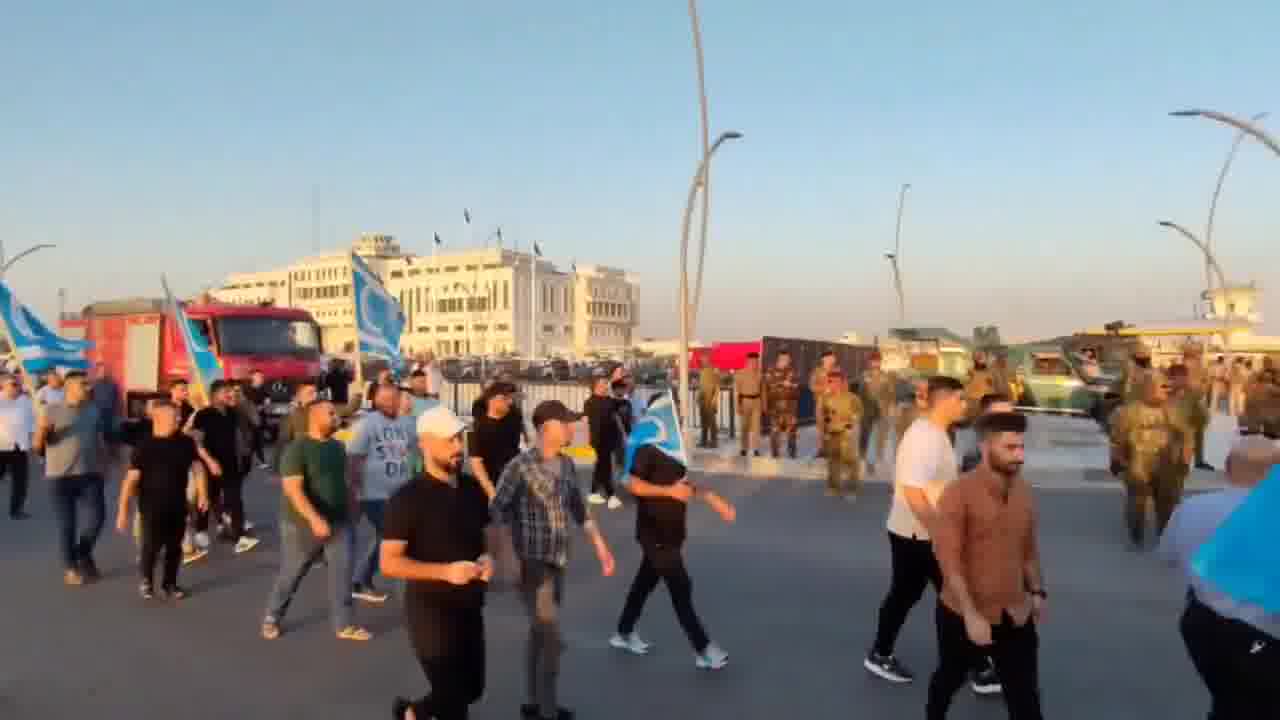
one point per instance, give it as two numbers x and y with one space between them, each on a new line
538 507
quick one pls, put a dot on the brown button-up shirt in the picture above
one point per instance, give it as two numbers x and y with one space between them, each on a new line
988 540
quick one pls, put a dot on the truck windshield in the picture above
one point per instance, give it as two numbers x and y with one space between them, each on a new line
268 336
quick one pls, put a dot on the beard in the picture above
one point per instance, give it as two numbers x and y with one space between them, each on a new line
1008 468
1144 363
450 463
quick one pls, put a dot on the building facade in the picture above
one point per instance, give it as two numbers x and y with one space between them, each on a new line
467 302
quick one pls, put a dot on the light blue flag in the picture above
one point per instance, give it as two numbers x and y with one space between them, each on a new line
205 366
1239 560
660 428
38 348
379 317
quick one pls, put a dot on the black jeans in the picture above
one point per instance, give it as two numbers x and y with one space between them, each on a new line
226 494
664 563
1014 651
162 530
914 569
602 476
259 444
70 494
449 644
1238 663
15 464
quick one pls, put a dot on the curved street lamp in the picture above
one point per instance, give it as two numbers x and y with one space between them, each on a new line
894 256
1242 125
683 305
706 147
1222 280
5 265
1217 190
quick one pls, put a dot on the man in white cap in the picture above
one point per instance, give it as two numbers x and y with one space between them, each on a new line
434 539
537 499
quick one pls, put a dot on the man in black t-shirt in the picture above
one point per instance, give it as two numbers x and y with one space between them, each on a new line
435 539
159 469
662 490
494 439
606 438
216 430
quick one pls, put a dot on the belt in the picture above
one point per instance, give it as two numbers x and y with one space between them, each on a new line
749 397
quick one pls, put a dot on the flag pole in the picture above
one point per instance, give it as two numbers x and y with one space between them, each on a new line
355 316
533 302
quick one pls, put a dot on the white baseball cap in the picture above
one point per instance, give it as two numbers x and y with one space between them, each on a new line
440 422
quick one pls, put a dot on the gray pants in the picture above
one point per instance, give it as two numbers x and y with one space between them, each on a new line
542 588
299 550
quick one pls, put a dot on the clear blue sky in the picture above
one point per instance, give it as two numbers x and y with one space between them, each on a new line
191 138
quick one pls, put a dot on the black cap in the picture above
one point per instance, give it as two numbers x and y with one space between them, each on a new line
553 410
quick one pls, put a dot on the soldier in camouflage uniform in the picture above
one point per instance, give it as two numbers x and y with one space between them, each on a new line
981 384
1188 403
1197 385
880 399
1131 382
1262 406
709 403
818 385
841 413
1151 449
782 404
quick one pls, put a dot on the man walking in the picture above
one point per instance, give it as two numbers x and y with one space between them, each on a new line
601 410
993 595
494 440
536 501
219 439
159 469
17 427
70 434
782 403
926 465
662 489
1235 647
880 394
748 386
842 414
435 540
378 459
709 403
1151 449
315 522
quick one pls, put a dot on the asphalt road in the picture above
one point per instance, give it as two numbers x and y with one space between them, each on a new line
791 591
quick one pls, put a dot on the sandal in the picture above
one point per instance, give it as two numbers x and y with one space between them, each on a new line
270 630
355 632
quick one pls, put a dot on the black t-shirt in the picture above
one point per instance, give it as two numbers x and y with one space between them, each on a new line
659 521
185 411
165 463
603 422
442 524
221 433
495 442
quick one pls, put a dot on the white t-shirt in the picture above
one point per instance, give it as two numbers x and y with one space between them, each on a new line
385 443
49 395
926 461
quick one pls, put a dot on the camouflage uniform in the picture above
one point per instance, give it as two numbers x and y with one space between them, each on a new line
981 383
709 405
1150 446
1129 385
782 405
841 412
1262 407
818 386
880 398
1194 414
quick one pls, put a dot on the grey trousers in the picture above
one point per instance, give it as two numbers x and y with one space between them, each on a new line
541 589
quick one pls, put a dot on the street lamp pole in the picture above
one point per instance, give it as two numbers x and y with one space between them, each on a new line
5 265
706 146
683 305
1245 126
895 257
1217 190
1222 281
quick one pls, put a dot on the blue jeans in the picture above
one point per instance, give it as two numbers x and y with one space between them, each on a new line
368 565
299 550
69 494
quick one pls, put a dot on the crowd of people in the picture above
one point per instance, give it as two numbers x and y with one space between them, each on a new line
457 509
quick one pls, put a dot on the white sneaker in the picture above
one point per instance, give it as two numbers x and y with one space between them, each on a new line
631 643
249 525
202 540
713 658
245 544
596 499
614 503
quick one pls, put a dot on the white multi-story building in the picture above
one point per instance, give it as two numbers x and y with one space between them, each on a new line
479 301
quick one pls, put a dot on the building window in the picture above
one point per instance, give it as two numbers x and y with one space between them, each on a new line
501 326
442 328
397 274
451 268
549 329
459 328
506 295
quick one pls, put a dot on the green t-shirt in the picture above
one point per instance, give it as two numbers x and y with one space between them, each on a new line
322 464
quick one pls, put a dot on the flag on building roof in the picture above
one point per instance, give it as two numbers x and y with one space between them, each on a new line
537 250
439 242
660 428
205 367
466 215
379 317
38 348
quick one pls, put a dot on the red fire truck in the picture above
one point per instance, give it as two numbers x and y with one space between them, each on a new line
142 350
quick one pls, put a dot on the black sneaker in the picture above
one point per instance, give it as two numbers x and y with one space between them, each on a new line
145 591
89 569
369 594
174 592
888 667
1204 466
986 682
530 712
19 515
